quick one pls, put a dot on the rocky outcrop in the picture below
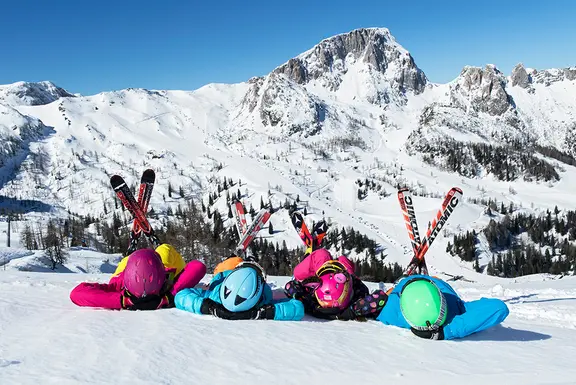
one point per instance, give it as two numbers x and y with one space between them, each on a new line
481 89
520 77
553 75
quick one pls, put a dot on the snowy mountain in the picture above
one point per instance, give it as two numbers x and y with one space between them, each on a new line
31 94
354 107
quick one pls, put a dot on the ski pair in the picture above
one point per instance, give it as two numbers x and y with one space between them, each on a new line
247 234
137 208
311 240
421 246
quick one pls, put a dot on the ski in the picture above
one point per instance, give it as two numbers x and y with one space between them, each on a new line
407 206
303 232
127 198
450 202
240 217
144 194
257 225
319 232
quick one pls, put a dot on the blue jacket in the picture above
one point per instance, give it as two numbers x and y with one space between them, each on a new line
191 300
463 319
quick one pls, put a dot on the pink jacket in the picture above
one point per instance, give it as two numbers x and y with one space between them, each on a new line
109 295
308 267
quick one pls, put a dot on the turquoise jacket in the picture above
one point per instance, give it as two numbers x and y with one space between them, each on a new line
191 300
463 319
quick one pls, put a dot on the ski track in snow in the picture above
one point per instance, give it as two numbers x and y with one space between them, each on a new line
46 339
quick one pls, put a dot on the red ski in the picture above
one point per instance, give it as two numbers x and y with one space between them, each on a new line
450 202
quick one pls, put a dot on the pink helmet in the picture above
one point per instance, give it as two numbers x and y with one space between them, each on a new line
335 289
144 274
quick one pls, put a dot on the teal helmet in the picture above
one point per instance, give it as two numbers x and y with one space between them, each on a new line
423 305
243 288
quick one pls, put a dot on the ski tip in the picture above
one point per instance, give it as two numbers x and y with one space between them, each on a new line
116 181
148 175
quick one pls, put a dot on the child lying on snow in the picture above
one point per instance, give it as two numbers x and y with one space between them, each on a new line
427 306
431 309
144 280
329 289
238 291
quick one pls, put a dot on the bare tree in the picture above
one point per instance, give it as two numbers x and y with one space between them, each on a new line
54 251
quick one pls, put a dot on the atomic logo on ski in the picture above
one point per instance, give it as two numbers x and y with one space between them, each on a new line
420 247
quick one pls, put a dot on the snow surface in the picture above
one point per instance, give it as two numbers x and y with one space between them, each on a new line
44 338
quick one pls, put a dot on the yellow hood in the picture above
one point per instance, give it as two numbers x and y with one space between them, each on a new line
170 258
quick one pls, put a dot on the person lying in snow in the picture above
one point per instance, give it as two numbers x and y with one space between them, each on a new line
238 291
428 306
329 289
431 309
144 280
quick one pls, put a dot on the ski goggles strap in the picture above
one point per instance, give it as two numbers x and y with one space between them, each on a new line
254 265
331 266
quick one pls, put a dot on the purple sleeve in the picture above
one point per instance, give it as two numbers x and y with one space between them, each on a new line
97 295
189 277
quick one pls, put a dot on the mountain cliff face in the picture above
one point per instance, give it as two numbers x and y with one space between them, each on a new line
330 60
482 90
312 93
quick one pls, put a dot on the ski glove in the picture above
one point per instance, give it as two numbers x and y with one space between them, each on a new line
333 313
296 289
150 302
371 305
437 334
218 310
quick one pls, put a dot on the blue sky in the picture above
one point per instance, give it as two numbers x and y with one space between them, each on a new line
94 46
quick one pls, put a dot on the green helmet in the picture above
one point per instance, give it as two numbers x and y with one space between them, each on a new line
423 305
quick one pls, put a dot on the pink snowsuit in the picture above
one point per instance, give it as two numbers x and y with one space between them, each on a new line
109 296
308 267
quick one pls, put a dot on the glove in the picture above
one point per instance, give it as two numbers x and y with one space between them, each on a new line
437 334
294 289
218 310
371 305
333 313
150 302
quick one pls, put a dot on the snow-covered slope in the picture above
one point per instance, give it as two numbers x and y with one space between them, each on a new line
45 336
353 107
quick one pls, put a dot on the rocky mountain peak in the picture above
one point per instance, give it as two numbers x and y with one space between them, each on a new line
482 89
31 94
520 76
333 57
